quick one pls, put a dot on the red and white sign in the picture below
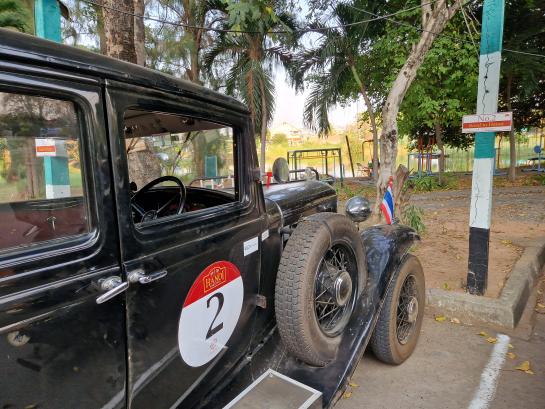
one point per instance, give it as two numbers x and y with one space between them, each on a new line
500 122
210 313
45 147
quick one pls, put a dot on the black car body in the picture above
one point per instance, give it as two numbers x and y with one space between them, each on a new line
59 348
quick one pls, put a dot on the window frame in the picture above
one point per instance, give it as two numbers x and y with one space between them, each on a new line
42 87
186 219
236 160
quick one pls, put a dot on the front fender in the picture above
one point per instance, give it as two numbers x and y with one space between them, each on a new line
385 247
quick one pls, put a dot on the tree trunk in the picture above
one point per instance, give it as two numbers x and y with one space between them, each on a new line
441 146
119 30
100 26
435 24
121 38
263 126
512 174
371 113
139 33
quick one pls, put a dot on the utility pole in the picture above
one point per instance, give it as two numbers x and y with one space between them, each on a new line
47 17
483 165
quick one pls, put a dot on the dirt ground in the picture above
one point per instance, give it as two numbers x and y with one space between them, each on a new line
518 216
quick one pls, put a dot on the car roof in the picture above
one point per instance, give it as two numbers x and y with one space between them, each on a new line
15 46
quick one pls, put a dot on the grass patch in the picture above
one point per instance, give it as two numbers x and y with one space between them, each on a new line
351 189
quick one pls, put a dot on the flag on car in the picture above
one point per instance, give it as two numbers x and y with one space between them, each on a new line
387 205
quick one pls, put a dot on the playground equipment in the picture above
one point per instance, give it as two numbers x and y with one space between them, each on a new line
299 159
539 151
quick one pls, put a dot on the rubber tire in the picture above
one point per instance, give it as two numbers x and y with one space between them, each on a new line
294 293
384 342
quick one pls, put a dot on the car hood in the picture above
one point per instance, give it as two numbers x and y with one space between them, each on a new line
297 199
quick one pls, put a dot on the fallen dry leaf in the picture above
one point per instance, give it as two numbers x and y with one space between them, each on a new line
347 395
510 346
482 334
445 286
353 385
511 355
540 305
440 318
491 340
525 366
506 242
455 320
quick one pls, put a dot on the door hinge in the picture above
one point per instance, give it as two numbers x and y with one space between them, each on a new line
261 301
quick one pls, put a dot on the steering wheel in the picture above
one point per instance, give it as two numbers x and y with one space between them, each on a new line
146 215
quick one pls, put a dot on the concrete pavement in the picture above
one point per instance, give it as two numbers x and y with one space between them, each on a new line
445 372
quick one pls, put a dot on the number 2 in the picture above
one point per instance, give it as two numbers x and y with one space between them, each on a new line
212 331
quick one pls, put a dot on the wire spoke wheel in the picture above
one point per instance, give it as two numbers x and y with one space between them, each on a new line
407 310
334 289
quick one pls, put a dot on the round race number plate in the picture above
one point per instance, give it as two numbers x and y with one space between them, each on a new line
210 313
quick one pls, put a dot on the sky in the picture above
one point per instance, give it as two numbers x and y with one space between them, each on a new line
290 106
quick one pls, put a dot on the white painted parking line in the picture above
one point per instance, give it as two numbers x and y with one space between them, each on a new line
489 377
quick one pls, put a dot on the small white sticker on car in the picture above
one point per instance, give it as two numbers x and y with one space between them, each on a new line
265 235
251 246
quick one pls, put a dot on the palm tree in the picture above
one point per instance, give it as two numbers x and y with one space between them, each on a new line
253 56
332 67
15 15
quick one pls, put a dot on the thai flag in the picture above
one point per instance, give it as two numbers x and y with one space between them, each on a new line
387 205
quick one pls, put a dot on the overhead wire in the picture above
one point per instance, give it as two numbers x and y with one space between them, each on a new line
225 30
402 23
376 17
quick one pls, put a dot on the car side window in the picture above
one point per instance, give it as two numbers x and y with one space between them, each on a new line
178 164
41 190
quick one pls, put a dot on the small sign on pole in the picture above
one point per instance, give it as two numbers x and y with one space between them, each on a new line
498 122
45 147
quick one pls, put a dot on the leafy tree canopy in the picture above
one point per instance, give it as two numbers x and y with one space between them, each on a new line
14 14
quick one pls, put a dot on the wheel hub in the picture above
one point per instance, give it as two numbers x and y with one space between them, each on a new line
334 294
412 309
343 288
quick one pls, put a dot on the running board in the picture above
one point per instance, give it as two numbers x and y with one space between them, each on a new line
272 390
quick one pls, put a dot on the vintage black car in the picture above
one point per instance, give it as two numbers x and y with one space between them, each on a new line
143 262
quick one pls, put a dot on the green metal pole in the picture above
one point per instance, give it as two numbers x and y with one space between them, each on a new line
47 17
483 165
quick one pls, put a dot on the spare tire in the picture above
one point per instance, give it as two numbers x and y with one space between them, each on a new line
322 272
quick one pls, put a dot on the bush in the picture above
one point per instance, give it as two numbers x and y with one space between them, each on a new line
413 216
279 139
430 183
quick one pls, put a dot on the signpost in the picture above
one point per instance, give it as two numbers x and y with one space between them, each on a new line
499 122
483 167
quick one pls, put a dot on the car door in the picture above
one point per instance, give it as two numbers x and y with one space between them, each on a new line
194 276
59 347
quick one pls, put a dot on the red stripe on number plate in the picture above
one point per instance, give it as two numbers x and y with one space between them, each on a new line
214 276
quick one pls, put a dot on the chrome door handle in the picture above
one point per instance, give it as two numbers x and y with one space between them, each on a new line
113 286
139 276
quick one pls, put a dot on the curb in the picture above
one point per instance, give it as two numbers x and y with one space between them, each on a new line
506 310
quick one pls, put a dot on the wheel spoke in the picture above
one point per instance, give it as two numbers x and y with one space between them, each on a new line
404 326
331 316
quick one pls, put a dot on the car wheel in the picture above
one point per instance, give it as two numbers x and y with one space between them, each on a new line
321 274
398 327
